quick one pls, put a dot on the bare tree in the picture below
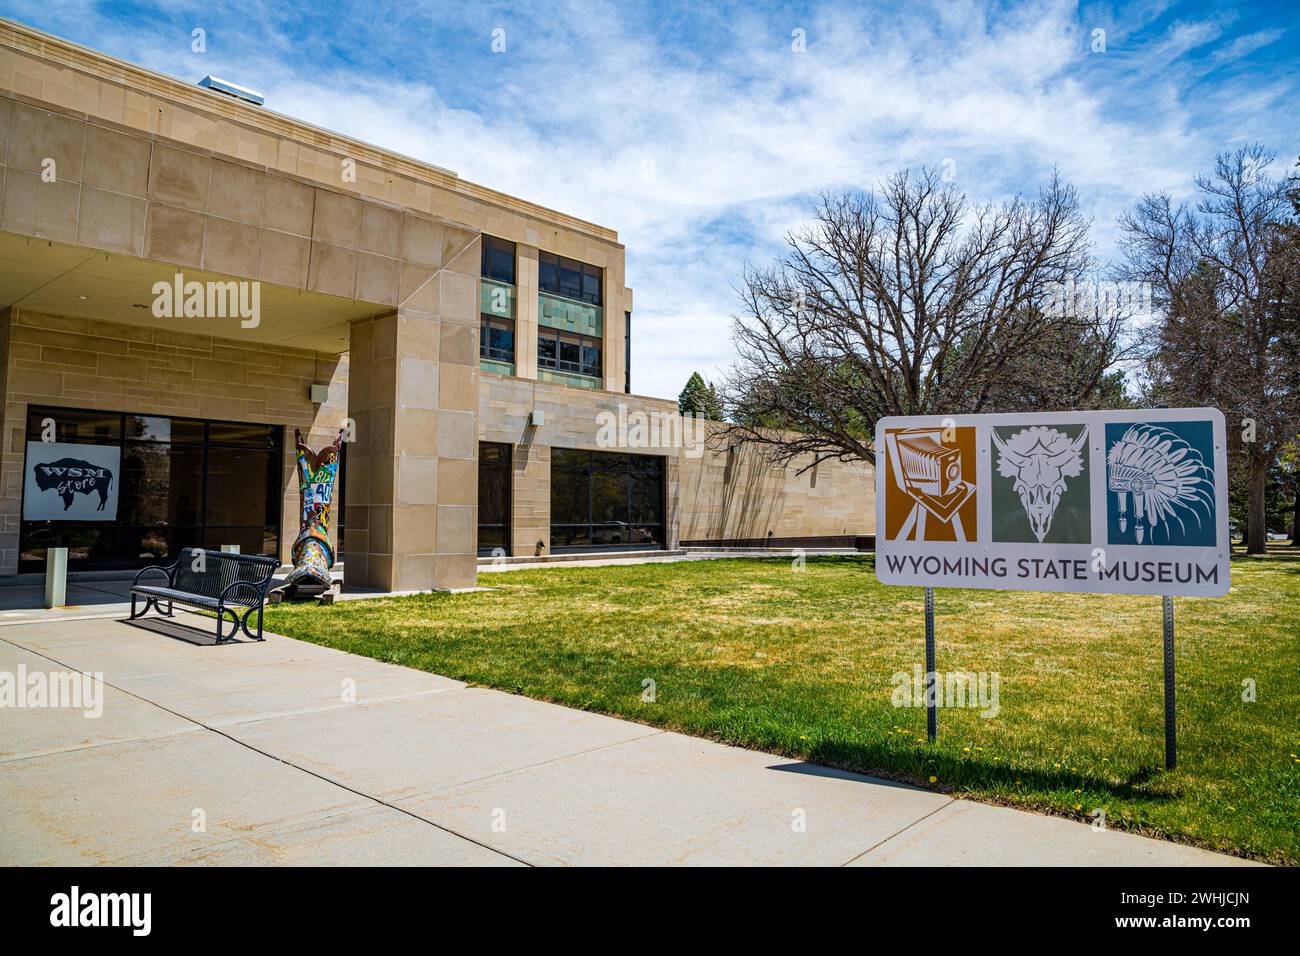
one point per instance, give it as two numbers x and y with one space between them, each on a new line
1224 277
911 301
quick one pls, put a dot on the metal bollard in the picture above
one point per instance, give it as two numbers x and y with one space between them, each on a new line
56 577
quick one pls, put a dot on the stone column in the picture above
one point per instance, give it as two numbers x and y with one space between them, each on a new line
526 311
413 394
530 514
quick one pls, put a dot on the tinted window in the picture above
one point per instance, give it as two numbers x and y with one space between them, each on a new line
569 277
496 338
590 283
493 497
548 273
547 350
567 352
74 425
240 433
182 483
498 259
605 500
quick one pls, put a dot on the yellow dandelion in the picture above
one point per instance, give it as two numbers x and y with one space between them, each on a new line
934 779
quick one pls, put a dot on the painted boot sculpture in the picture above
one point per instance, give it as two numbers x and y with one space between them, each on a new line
312 553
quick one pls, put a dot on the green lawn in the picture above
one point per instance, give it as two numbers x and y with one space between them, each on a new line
800 663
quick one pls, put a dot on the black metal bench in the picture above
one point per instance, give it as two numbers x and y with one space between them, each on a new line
234 584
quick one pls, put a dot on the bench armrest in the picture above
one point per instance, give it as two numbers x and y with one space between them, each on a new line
258 592
165 571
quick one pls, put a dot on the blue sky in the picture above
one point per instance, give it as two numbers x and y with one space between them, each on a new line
700 134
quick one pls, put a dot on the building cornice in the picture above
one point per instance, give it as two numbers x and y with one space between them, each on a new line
33 42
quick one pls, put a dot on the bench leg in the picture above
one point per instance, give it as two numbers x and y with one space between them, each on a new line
244 624
148 602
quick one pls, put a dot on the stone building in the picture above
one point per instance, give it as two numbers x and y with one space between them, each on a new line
187 277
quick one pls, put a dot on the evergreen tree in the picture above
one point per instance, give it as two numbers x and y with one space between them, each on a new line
699 397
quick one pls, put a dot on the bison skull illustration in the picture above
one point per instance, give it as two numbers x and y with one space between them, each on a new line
1040 459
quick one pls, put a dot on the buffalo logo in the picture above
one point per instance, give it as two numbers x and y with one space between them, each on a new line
70 477
1039 459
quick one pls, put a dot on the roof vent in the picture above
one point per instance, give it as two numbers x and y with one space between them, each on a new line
219 85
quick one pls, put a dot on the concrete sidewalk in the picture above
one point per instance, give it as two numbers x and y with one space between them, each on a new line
288 753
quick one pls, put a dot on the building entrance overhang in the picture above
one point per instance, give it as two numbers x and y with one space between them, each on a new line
40 275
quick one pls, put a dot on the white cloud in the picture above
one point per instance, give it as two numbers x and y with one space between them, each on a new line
740 129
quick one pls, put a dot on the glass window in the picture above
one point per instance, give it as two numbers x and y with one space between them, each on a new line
567 352
184 483
570 497
161 484
493 497
591 284
605 500
242 487
609 496
548 273
569 458
242 433
159 428
496 338
74 425
569 277
498 259
547 349
570 354
250 540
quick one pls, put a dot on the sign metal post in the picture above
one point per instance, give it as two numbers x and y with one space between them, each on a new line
931 676
1171 732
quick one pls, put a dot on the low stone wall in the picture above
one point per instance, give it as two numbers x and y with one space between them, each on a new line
714 493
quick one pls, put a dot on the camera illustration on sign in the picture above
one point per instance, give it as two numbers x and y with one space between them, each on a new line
1160 483
1043 466
931 494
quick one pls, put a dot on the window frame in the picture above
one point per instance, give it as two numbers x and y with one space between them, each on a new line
633 471
486 322
506 467
556 263
122 530
546 334
491 244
